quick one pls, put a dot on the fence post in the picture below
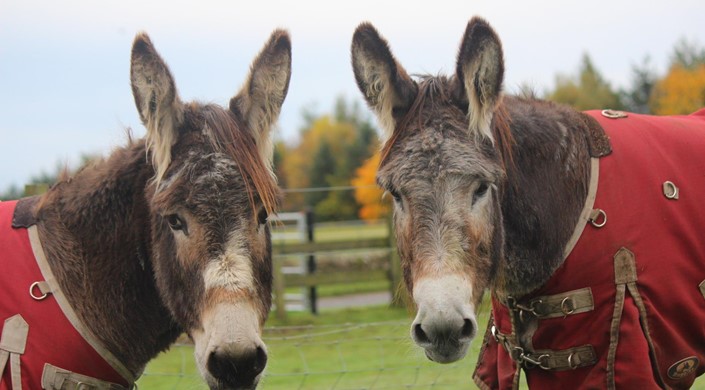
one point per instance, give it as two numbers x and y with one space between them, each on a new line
311 261
398 291
279 293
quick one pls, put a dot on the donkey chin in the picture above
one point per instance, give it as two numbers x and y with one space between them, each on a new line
445 321
229 351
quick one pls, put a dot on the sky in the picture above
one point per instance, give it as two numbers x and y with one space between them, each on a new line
64 65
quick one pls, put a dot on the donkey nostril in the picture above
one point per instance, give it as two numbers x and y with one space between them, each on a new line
420 335
260 360
237 370
468 329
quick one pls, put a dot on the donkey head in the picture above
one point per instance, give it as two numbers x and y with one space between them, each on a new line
441 165
209 199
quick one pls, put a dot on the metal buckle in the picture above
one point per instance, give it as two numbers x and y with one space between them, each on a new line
570 361
564 306
528 361
531 309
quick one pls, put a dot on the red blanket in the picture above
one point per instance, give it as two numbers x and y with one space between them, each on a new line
667 239
51 338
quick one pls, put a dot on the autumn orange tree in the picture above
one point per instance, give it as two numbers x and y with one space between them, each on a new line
367 194
682 91
324 160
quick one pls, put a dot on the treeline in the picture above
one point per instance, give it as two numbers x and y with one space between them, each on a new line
680 91
317 171
331 166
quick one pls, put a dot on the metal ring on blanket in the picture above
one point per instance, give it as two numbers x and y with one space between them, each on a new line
567 306
614 114
670 190
31 292
572 364
599 218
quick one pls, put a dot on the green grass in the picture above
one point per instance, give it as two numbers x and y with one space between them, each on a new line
329 233
336 290
342 232
342 349
362 348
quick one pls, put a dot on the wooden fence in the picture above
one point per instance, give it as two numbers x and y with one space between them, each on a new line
311 249
315 278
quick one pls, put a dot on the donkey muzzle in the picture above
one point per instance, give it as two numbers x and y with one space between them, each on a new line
236 366
445 322
229 351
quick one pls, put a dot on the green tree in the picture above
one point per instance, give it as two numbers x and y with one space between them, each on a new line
588 90
330 149
322 172
644 77
687 54
61 169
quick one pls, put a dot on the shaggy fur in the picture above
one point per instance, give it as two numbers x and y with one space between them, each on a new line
486 187
133 280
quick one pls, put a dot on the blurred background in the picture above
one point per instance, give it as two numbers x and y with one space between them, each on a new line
65 99
64 71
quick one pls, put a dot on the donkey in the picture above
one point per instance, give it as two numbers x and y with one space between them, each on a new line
167 235
500 193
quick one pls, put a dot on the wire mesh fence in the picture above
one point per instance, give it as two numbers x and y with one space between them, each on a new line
376 355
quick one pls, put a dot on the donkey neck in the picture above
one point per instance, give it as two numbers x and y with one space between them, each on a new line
544 194
95 228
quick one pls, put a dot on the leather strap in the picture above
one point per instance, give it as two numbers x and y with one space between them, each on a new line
55 378
561 305
566 359
12 345
548 359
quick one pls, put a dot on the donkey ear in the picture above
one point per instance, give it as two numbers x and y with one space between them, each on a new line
261 97
384 83
480 72
157 101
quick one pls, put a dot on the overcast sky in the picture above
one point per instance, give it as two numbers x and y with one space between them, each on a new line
64 65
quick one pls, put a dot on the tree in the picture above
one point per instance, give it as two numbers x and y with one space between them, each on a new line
644 78
61 169
367 194
682 90
330 149
586 91
687 54
321 173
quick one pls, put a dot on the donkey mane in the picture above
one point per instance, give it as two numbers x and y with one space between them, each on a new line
226 135
438 91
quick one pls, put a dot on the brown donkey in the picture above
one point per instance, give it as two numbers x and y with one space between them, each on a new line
167 235
501 193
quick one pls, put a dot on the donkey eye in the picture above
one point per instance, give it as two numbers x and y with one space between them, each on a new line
395 195
175 222
262 216
480 192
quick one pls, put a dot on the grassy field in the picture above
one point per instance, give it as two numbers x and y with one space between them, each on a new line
366 348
